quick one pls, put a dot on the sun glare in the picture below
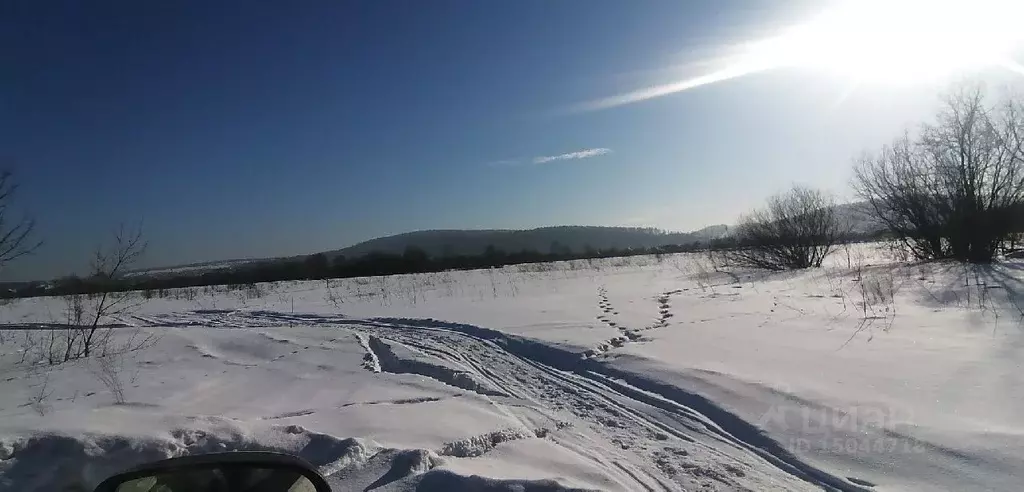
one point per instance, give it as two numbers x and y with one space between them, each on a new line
901 41
895 42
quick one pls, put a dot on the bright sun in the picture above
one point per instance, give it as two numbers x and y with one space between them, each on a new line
901 41
874 42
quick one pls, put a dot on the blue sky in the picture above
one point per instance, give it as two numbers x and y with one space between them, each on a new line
249 129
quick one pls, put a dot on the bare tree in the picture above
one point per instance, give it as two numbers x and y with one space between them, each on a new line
87 330
954 190
15 232
107 266
796 229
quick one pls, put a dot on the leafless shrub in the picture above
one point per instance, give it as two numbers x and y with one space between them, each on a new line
494 282
28 348
702 276
849 255
39 401
412 288
384 290
955 189
513 285
332 296
108 369
108 264
448 282
835 280
623 262
253 291
15 233
86 329
878 291
716 258
797 229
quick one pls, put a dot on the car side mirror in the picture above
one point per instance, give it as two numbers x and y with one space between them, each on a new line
243 471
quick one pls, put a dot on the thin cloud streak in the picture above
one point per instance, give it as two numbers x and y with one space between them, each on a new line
579 154
667 89
544 159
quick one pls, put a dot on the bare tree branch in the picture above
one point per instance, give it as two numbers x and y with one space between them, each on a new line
107 266
15 233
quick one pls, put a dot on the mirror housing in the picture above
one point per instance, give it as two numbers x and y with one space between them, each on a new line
239 471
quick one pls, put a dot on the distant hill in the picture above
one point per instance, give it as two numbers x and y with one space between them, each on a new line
439 243
576 238
545 240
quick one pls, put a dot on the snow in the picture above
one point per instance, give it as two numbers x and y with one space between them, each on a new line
643 373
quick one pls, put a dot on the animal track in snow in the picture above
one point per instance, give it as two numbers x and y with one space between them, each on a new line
629 335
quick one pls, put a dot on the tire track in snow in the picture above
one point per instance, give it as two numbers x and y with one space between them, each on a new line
692 441
311 411
496 379
399 359
561 365
533 385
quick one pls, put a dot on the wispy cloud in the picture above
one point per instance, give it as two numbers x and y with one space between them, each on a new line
652 92
579 154
544 159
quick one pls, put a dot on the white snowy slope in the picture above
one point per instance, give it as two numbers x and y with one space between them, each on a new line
643 373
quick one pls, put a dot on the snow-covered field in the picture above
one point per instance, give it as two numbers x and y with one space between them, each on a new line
636 373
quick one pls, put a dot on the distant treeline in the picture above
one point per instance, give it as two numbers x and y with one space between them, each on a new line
320 266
